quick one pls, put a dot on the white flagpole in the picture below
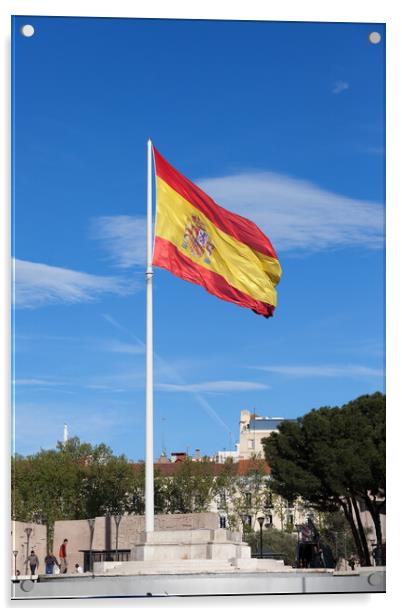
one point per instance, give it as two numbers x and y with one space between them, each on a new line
149 421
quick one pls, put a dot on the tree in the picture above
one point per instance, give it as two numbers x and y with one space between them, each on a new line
226 492
191 488
106 487
335 531
243 494
73 481
45 487
252 490
365 419
275 542
332 457
137 504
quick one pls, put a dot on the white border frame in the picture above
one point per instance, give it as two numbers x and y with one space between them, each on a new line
384 11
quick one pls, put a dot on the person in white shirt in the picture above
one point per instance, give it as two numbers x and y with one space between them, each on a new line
78 568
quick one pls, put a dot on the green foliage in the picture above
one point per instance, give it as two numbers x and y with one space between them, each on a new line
106 487
336 532
191 488
226 489
251 491
136 503
333 457
243 494
74 481
274 541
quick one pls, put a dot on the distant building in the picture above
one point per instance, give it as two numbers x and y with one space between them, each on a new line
179 456
253 428
222 456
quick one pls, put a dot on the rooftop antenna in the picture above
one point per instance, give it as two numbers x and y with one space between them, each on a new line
163 436
254 429
65 434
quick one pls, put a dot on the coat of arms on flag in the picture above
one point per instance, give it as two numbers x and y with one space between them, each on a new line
196 238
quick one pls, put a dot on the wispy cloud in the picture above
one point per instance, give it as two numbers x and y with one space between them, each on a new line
116 346
37 382
365 348
213 387
116 381
344 371
123 238
112 321
38 284
299 215
107 388
339 86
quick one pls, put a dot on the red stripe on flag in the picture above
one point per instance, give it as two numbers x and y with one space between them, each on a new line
168 256
237 226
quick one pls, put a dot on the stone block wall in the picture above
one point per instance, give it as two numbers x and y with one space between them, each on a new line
78 535
37 542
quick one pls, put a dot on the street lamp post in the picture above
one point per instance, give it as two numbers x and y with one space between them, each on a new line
91 524
117 520
260 521
344 544
15 552
335 534
336 546
28 532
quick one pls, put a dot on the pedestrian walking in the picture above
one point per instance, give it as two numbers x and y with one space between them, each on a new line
63 556
352 563
33 562
50 562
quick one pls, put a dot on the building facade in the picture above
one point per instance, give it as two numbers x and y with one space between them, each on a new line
254 428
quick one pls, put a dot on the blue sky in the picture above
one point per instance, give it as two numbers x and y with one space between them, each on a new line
281 122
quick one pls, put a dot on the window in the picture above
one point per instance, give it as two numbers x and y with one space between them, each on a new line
268 500
247 520
222 521
268 520
251 444
289 520
222 499
247 496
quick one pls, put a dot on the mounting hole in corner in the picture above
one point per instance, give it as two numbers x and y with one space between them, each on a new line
374 38
27 30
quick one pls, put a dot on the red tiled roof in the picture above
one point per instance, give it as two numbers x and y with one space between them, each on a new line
246 465
168 469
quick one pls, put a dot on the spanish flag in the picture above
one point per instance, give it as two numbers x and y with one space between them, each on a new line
201 242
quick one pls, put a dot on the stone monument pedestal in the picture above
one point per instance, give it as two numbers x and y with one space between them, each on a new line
189 551
219 544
